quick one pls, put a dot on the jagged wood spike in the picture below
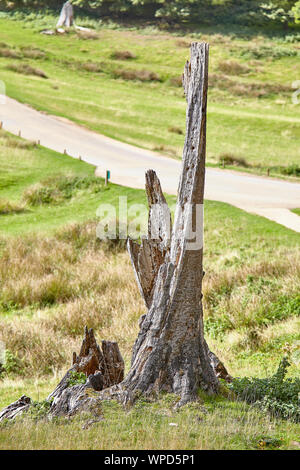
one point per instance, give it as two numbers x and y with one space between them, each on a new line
147 258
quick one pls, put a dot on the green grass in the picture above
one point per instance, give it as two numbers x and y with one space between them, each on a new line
296 211
60 278
26 167
250 115
211 424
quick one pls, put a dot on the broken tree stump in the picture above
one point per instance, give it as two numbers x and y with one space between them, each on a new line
16 408
102 368
66 16
170 353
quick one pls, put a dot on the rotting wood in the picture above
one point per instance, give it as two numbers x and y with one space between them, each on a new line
102 368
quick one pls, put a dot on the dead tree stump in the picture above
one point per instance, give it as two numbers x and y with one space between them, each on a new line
102 368
66 16
170 353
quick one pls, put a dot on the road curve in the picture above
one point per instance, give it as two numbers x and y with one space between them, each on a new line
268 197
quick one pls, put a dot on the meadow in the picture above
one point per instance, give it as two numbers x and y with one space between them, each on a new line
56 276
125 82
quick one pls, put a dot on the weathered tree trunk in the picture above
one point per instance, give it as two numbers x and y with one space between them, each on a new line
66 16
170 352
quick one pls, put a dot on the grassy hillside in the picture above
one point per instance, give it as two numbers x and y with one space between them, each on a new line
56 277
125 83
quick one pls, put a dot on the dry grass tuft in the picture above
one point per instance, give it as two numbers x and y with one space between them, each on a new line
92 67
250 89
141 75
33 53
68 281
8 207
26 69
9 53
175 130
14 142
87 35
176 81
123 55
232 67
183 43
230 159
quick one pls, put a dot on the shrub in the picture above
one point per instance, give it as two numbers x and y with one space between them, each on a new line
12 364
276 395
7 207
39 409
91 67
26 69
229 159
142 75
291 170
271 52
33 53
9 53
57 189
232 67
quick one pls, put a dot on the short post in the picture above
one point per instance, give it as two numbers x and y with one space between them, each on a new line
268 172
79 158
65 151
19 134
107 177
39 142
1 124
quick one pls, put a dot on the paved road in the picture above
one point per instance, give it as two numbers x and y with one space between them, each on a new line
268 197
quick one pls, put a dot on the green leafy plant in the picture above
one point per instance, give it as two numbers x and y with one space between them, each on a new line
12 364
39 409
276 395
76 378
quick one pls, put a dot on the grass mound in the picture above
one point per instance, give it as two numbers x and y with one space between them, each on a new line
141 75
8 207
26 69
56 189
123 55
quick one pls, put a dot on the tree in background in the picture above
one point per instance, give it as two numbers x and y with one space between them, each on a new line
280 11
242 12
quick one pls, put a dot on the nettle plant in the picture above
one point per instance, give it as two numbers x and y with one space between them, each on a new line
277 395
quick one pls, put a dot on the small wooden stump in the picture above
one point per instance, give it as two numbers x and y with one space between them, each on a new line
102 368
